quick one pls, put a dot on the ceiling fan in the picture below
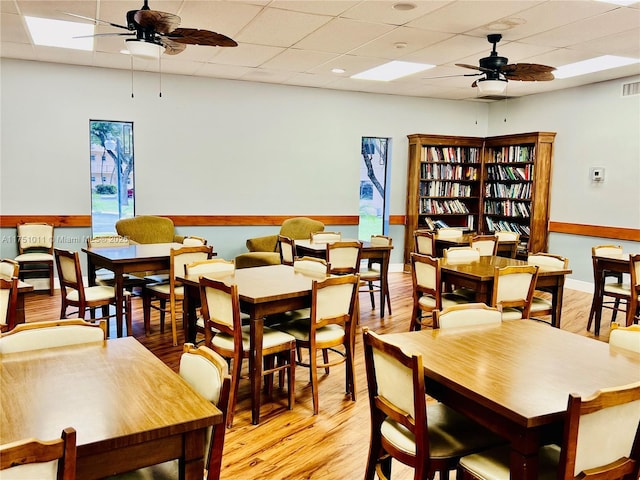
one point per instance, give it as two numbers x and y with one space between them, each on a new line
154 31
497 71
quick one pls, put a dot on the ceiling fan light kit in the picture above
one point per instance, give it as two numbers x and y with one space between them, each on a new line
144 49
491 87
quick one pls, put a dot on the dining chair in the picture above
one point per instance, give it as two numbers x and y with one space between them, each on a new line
487 245
50 334
633 315
424 242
344 257
615 290
287 249
35 251
461 255
8 303
427 290
625 337
32 459
513 288
466 315
428 437
106 277
194 240
330 326
173 291
75 294
601 440
221 312
207 373
325 237
508 239
312 266
449 233
214 267
371 273
542 305
9 268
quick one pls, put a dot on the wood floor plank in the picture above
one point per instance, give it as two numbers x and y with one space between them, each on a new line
296 445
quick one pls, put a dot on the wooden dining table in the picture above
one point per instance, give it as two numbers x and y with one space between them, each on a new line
382 253
611 264
515 378
266 290
129 409
478 276
505 247
127 259
23 289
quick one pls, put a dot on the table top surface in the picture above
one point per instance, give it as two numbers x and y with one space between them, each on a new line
521 369
113 393
133 252
263 284
483 269
321 246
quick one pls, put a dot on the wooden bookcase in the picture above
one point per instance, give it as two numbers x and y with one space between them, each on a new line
481 184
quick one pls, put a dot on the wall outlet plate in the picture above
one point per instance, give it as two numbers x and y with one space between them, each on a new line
596 174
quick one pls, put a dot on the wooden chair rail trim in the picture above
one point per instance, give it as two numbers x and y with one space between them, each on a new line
617 233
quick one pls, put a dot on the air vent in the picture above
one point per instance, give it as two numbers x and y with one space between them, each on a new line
629 89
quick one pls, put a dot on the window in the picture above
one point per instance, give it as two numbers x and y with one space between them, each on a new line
111 155
374 195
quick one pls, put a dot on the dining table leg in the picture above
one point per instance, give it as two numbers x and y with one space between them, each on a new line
256 330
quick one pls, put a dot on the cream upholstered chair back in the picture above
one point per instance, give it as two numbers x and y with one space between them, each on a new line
487 245
325 237
604 250
333 300
606 427
287 249
58 333
461 254
513 289
466 315
448 232
193 240
424 242
311 266
9 268
425 270
69 272
344 257
32 459
548 260
381 241
211 266
625 337
220 305
187 255
394 374
35 236
507 236
8 302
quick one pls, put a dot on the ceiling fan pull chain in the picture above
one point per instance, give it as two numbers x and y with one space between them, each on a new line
131 76
160 72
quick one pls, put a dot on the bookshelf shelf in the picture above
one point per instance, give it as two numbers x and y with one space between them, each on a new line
481 184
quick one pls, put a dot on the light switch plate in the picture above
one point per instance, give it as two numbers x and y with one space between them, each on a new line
596 174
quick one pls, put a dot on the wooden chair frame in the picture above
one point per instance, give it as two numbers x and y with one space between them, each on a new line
424 242
370 275
487 245
70 281
285 352
33 243
37 451
522 303
337 260
9 268
11 286
545 259
511 249
614 304
469 310
633 314
287 249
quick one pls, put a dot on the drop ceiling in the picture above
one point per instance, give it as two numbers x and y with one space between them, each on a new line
301 42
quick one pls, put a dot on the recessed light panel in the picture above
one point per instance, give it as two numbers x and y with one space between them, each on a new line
58 33
392 70
592 65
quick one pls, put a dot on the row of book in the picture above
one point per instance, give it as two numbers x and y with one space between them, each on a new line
507 208
430 206
513 153
494 225
435 225
439 188
521 191
451 154
430 171
501 172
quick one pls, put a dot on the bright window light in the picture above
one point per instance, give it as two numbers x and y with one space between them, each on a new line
58 33
597 64
392 70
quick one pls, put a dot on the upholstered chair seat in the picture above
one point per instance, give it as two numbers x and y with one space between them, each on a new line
270 338
93 294
494 463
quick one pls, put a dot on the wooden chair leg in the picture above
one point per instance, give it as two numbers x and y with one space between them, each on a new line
127 313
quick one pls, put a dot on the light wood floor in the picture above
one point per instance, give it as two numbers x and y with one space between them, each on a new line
295 444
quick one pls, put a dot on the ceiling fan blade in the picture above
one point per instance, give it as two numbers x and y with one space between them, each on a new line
96 20
106 35
171 47
159 22
452 76
473 67
528 72
194 36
